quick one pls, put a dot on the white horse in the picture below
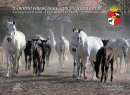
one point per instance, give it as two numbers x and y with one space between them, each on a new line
52 42
85 48
120 48
62 48
71 46
13 44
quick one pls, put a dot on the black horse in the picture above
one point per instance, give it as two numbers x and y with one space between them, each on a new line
37 53
104 56
41 53
105 42
43 47
27 54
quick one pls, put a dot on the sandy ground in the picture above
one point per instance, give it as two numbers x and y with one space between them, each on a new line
58 81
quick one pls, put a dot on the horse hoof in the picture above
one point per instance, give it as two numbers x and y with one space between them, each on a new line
6 76
94 78
17 72
85 77
78 78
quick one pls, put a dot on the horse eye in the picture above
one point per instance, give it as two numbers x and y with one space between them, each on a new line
13 29
7 28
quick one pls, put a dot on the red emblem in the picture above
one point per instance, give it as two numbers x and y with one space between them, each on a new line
113 18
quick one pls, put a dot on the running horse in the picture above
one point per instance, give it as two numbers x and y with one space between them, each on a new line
85 48
105 57
13 44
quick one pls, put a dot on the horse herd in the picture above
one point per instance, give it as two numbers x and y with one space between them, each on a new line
84 49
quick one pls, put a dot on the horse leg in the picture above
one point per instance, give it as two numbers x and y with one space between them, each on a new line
47 59
111 69
78 67
63 60
14 65
94 72
116 65
29 65
120 71
74 63
106 72
43 64
84 66
25 62
34 65
8 63
81 68
39 67
102 67
60 60
52 56
126 63
2 56
18 59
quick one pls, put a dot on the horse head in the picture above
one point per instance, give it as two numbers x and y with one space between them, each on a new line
11 29
124 45
125 49
29 44
105 42
34 43
76 39
43 45
50 34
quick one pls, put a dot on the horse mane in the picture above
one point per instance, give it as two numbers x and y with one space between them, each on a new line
83 36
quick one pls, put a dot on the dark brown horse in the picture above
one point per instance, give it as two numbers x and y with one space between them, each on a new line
105 56
104 42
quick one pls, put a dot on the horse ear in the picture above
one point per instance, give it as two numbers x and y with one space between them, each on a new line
36 39
74 29
7 21
14 23
79 31
45 41
107 40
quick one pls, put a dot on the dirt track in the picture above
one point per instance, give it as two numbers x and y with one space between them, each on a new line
58 81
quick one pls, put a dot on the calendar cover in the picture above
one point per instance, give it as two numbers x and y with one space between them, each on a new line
64 47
